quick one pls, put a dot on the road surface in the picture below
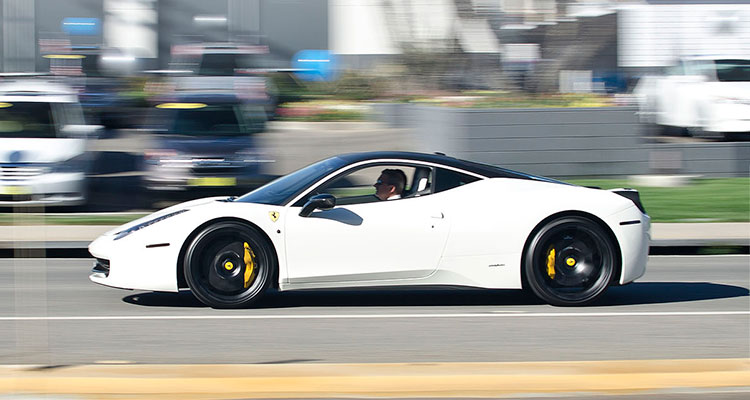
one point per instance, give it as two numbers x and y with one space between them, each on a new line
684 307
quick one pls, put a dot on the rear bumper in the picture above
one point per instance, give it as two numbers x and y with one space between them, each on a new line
632 229
729 118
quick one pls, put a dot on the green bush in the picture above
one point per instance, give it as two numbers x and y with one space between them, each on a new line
350 86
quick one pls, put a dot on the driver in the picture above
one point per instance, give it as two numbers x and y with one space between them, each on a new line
390 184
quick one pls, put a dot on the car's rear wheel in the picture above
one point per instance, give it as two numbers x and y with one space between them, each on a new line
570 261
229 265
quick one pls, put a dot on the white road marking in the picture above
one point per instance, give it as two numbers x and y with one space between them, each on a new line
491 314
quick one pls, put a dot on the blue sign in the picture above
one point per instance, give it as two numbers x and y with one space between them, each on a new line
314 65
81 26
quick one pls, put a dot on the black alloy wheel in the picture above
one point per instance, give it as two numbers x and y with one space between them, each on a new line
570 261
229 265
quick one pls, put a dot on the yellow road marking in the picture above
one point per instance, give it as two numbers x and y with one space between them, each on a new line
375 380
120 362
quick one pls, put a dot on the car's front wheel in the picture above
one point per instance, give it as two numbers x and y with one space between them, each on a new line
229 265
570 261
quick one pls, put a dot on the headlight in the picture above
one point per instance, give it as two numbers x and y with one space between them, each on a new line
65 167
75 164
165 156
126 232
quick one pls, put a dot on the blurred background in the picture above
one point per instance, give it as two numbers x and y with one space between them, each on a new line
128 105
110 109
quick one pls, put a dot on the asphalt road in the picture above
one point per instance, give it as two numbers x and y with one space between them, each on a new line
684 307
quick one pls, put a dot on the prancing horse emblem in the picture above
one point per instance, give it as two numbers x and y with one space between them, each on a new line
274 215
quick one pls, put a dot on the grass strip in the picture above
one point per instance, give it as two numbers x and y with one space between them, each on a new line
703 200
73 219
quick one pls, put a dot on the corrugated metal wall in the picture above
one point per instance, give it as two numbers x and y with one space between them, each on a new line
19 38
567 142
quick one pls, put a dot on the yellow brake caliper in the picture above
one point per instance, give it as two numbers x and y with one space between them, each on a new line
551 263
249 265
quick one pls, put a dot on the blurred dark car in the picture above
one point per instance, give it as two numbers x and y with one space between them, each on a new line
245 69
207 144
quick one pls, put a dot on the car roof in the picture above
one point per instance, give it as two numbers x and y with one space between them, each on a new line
38 91
486 170
716 57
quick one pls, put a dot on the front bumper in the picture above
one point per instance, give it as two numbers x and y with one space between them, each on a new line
174 181
129 264
59 189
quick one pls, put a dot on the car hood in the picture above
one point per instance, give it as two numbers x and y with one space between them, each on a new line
206 147
39 150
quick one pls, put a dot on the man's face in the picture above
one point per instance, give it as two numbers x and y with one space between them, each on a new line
383 190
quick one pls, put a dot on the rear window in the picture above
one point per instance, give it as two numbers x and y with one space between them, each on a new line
733 70
446 179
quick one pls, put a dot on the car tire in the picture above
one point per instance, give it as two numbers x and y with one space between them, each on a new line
570 261
229 265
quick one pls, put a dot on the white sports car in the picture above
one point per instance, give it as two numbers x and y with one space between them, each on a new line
455 223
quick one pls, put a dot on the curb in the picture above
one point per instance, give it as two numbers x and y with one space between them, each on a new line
325 126
431 380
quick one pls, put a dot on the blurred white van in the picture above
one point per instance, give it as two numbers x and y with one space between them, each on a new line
43 143
699 96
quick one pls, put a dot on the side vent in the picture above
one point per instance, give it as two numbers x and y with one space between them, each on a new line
101 266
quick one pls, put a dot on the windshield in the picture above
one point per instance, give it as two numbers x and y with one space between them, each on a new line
27 120
733 70
226 64
212 120
281 190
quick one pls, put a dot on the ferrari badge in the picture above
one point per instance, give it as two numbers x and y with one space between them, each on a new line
274 215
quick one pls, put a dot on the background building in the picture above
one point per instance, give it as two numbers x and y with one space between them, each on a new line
537 45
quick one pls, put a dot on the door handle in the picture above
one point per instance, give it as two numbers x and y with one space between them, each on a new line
438 215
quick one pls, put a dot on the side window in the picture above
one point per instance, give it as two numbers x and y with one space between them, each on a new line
690 68
446 179
677 70
359 186
708 70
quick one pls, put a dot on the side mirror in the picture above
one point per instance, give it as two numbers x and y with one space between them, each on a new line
82 131
321 201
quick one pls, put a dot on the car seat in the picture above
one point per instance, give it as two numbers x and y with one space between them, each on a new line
420 183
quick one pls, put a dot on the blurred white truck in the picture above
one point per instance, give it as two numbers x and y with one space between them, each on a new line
43 145
700 96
